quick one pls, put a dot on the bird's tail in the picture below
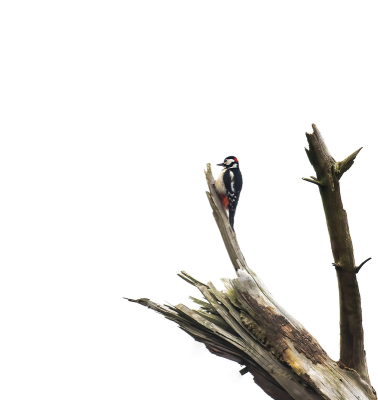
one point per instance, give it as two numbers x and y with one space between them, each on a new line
231 216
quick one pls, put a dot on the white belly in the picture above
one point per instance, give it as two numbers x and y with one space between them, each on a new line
219 185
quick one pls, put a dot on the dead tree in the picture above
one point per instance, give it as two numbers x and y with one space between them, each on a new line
245 324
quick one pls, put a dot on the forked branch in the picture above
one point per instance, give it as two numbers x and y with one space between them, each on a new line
243 323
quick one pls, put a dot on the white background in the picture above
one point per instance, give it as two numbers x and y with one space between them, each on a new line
109 113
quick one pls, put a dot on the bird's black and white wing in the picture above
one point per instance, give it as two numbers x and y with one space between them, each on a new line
233 182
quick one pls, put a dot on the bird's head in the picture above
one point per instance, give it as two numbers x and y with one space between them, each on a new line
230 162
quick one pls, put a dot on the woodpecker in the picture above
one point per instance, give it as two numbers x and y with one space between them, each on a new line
229 185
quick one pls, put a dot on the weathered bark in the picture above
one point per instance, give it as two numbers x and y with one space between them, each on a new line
245 324
329 173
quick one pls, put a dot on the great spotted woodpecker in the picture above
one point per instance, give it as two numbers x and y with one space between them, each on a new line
229 185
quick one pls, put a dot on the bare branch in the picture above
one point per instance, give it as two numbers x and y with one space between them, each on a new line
313 181
362 264
343 166
328 171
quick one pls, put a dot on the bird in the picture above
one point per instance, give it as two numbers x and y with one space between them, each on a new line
229 185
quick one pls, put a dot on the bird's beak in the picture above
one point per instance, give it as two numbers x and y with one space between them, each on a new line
221 165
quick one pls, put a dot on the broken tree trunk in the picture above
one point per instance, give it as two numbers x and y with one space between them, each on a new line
329 172
245 324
